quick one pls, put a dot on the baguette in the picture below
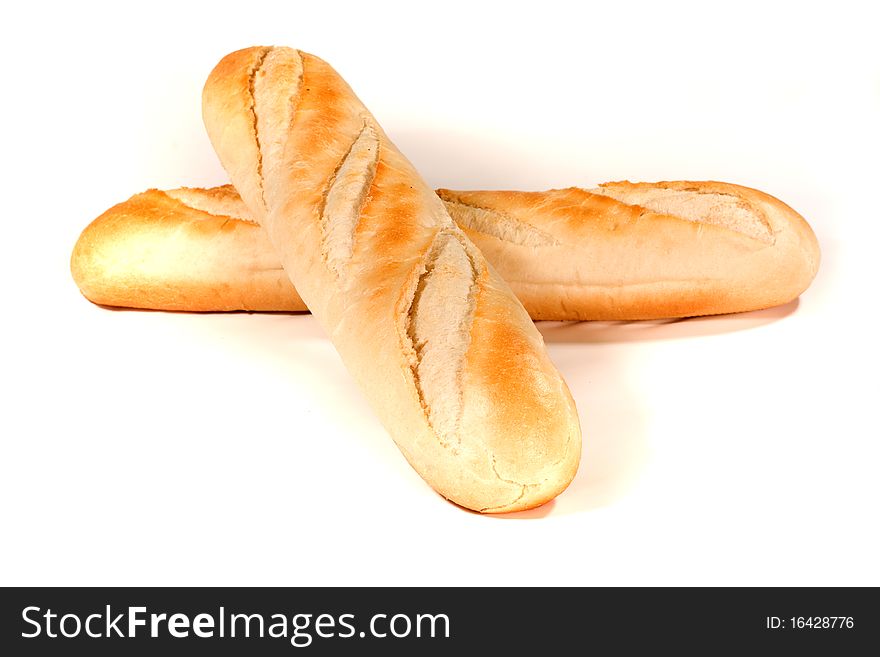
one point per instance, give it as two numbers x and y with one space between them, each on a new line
443 350
622 251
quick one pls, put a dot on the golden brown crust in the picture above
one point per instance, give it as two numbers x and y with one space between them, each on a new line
609 260
362 236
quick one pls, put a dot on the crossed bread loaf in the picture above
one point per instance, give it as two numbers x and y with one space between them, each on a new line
619 252
443 350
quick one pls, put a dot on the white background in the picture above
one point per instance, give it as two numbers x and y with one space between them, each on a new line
152 448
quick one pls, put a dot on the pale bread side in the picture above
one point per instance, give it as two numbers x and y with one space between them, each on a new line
187 249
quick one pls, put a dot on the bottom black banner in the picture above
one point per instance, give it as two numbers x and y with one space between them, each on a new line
337 621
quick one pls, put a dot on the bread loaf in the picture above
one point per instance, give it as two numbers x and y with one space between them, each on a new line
444 351
621 251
